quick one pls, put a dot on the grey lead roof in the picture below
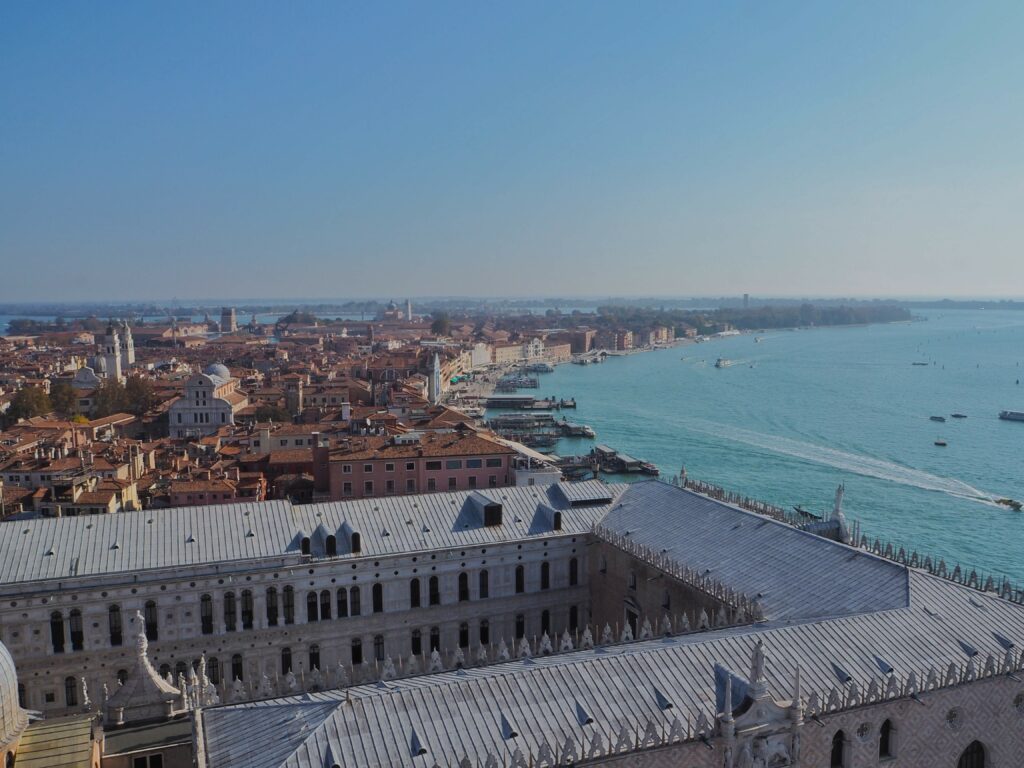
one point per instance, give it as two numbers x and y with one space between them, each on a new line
798 575
458 714
133 542
893 619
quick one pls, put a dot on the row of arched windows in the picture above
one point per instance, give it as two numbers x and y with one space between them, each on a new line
240 609
973 756
886 745
75 635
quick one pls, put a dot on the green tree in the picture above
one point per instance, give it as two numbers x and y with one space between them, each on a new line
29 402
110 398
63 399
272 413
442 324
140 395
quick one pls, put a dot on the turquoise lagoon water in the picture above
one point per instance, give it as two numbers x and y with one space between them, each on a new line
803 411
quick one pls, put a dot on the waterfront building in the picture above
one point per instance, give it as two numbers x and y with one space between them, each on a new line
210 402
414 462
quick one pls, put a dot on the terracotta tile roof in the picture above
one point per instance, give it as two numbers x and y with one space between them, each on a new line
432 444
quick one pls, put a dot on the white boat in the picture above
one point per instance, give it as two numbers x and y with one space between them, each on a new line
722 363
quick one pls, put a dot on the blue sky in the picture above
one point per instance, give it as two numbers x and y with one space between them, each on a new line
333 149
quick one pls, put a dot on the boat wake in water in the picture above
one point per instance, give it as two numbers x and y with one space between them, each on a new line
849 462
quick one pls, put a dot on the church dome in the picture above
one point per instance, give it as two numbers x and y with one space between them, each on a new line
12 717
219 370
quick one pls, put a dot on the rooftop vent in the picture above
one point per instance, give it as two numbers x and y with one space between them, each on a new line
416 747
841 674
663 703
507 731
582 716
1006 642
970 650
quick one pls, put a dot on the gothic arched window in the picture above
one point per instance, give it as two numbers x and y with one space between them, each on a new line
973 756
57 631
885 740
271 606
230 612
150 617
838 749
247 609
77 635
206 614
71 692
114 624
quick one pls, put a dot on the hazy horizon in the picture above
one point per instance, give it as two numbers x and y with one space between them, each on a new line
576 150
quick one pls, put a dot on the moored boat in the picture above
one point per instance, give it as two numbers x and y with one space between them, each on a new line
937 418
1011 415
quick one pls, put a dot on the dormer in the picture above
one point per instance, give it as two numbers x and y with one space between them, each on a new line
489 509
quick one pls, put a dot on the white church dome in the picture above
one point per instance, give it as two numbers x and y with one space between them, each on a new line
219 370
12 717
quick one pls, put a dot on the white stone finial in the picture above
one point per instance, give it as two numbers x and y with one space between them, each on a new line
587 641
545 648
141 641
627 633
524 649
503 652
757 664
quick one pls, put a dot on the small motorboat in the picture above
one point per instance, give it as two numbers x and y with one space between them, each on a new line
1013 504
959 415
937 418
941 443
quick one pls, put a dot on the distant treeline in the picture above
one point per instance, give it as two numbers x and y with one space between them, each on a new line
753 318
24 326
